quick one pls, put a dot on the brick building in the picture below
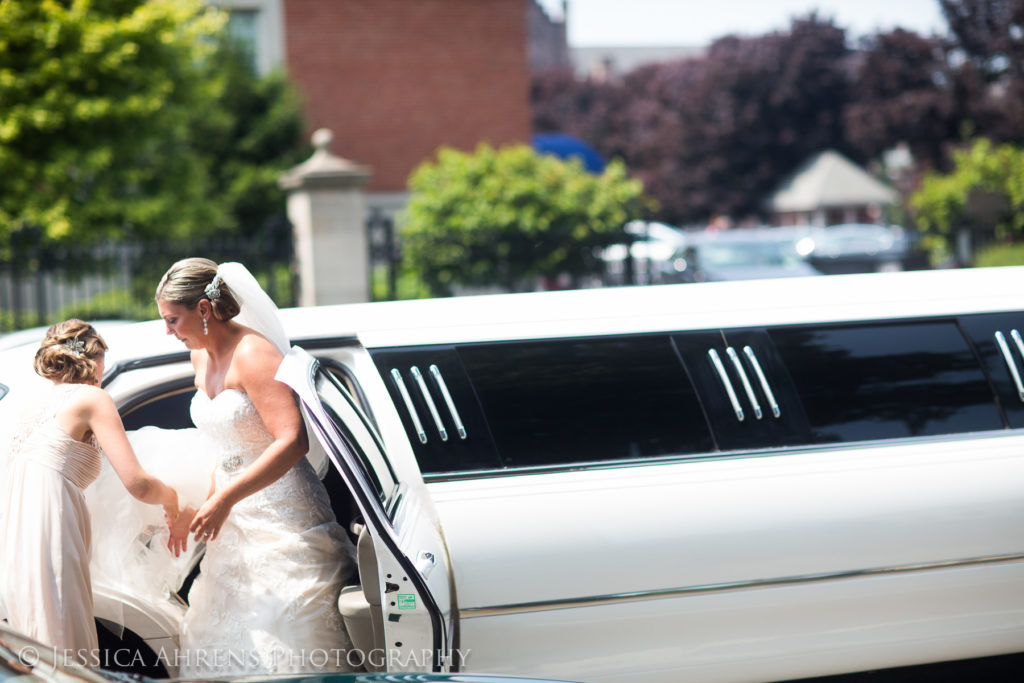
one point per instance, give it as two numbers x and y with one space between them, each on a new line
396 79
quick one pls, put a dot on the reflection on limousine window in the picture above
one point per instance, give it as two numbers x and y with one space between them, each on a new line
586 400
887 381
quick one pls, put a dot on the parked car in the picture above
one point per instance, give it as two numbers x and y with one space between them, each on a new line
743 254
866 248
729 481
647 258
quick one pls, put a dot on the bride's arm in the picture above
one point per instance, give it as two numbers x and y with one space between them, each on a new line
254 365
101 415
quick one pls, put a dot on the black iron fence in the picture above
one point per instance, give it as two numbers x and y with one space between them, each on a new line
42 283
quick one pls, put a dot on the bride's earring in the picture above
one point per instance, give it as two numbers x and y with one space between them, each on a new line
206 330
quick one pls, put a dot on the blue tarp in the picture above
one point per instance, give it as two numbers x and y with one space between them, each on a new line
566 146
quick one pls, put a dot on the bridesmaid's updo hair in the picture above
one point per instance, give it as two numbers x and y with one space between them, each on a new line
69 352
189 281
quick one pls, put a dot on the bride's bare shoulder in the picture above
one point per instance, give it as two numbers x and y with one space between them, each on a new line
254 352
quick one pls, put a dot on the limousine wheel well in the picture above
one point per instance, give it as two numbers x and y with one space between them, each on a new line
128 653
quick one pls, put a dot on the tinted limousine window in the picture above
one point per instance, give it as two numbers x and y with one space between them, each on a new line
546 402
561 402
882 381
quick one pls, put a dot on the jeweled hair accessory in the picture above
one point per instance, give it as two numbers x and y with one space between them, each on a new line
213 289
75 346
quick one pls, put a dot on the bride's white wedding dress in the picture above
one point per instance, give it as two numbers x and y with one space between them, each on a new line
266 598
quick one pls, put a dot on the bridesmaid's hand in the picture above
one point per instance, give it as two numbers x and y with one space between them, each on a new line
169 504
210 518
178 542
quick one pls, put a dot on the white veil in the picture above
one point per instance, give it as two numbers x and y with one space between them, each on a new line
259 312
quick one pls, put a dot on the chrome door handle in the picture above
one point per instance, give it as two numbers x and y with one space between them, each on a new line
418 378
734 357
435 372
1011 365
716 362
763 381
396 377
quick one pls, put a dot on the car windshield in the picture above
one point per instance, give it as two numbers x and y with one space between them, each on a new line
749 254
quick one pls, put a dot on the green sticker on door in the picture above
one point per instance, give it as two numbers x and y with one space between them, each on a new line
406 601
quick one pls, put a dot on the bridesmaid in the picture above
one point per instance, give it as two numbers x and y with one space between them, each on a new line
45 539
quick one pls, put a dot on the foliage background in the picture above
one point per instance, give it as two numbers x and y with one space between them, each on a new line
508 216
136 118
715 134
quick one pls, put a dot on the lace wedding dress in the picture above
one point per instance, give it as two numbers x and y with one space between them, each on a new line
266 597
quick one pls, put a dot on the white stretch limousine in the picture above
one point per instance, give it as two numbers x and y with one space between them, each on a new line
739 481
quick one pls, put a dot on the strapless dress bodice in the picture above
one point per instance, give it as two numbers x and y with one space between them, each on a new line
41 440
230 421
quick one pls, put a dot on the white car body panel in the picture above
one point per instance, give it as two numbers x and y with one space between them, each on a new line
807 522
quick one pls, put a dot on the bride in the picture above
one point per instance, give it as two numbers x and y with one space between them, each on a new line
275 558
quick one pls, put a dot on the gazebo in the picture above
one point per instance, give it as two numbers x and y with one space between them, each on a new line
829 189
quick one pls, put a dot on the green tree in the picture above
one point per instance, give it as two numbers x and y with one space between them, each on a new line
941 203
251 133
715 133
507 216
96 102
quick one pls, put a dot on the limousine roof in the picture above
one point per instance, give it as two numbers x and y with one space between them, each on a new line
592 312
618 310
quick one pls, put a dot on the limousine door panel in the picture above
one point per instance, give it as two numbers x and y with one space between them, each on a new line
412 567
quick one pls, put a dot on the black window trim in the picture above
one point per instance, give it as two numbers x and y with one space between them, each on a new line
155 393
332 379
306 343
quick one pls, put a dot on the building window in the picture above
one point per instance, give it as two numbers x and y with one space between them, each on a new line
242 27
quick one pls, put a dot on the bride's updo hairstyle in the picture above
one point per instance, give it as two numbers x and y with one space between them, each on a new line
191 280
69 352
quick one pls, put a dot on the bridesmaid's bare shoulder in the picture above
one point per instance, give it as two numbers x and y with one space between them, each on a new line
89 397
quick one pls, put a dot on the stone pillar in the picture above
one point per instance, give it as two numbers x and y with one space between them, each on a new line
327 208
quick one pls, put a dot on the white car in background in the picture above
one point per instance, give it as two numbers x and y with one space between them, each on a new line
732 481
652 249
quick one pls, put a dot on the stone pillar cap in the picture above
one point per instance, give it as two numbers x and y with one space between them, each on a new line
324 169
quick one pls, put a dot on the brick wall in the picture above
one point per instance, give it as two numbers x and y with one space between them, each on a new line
396 79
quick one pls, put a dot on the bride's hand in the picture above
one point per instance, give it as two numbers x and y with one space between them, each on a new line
178 542
211 516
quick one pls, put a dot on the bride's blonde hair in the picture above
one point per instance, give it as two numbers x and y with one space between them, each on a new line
186 283
69 351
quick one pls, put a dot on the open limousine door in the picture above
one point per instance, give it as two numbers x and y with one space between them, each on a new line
402 557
